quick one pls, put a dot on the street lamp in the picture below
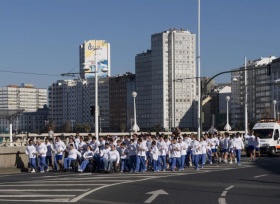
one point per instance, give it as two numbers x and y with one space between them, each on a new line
135 127
274 108
87 67
227 127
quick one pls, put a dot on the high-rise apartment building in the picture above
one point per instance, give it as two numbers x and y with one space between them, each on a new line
166 83
259 86
71 101
91 50
121 101
25 97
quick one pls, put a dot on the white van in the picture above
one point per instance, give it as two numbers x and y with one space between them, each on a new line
268 131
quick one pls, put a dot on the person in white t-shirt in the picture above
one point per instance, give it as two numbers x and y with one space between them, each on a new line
203 145
31 153
141 155
238 146
176 152
161 145
183 147
41 150
154 156
72 155
113 159
196 147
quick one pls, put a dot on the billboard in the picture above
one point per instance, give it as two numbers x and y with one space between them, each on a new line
102 56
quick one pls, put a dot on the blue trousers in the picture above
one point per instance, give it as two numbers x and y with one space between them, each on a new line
155 165
84 164
32 163
124 165
42 163
176 161
203 159
67 162
162 162
56 159
196 160
132 162
183 159
238 155
140 163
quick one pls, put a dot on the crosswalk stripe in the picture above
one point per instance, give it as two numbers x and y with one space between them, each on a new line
34 196
54 185
51 190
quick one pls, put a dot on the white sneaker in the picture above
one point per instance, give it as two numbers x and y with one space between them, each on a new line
190 164
47 170
225 161
32 171
211 162
42 171
235 160
230 162
220 160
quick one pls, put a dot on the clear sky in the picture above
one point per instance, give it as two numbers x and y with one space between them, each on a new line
44 36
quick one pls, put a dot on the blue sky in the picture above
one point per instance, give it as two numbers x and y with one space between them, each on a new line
44 36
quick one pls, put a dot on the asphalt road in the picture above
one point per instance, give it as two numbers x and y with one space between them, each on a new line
252 182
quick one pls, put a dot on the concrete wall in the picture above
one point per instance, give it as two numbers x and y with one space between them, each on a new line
13 157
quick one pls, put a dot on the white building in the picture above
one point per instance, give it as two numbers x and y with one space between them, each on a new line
164 97
25 97
71 101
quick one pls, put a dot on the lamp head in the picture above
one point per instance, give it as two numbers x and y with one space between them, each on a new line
227 98
134 94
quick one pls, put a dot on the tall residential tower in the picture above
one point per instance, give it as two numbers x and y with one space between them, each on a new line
166 83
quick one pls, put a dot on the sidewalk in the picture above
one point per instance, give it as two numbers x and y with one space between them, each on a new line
12 171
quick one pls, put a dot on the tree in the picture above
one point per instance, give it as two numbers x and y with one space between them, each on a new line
122 127
67 127
156 128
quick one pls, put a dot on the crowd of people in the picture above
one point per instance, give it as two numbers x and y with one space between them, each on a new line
139 153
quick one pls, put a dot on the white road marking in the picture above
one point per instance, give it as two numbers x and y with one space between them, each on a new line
43 200
31 190
154 195
67 181
34 196
54 185
261 176
229 188
222 199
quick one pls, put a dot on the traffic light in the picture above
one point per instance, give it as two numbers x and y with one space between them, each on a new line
92 110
